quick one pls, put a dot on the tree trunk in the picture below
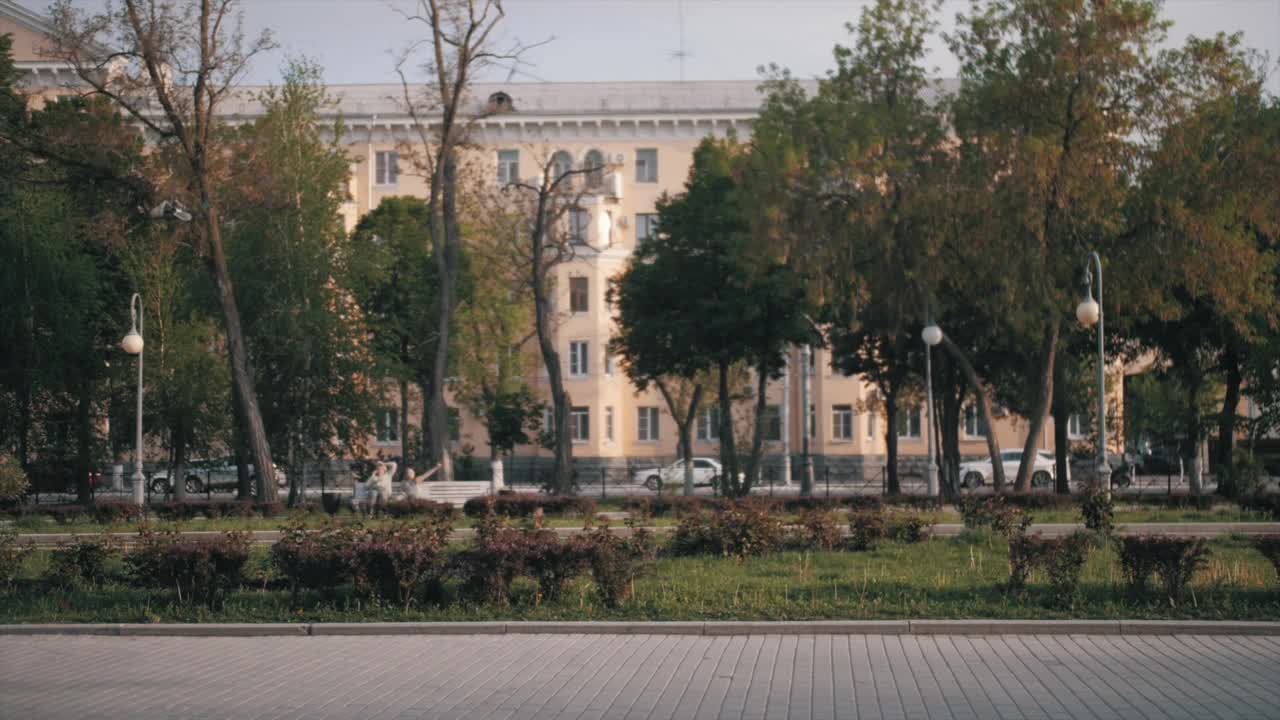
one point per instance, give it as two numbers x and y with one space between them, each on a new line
1191 447
1227 422
1061 446
892 486
178 475
241 369
730 482
240 446
684 427
1035 423
952 400
84 441
424 425
757 432
404 424
984 407
448 262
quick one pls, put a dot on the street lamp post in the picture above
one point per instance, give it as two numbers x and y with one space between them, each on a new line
932 335
132 344
1088 313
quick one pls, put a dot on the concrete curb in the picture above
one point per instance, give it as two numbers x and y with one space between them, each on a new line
712 628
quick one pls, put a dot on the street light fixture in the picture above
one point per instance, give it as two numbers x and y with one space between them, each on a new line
133 344
932 335
1089 313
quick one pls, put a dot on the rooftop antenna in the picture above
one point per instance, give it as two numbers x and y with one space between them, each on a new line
680 54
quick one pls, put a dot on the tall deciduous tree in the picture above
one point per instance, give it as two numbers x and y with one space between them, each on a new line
1052 96
289 179
183 58
458 44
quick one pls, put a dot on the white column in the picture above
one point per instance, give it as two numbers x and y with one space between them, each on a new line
496 483
786 419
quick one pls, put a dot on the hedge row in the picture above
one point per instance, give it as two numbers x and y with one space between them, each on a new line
665 505
522 505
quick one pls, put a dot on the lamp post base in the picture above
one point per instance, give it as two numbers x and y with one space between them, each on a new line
932 480
1104 479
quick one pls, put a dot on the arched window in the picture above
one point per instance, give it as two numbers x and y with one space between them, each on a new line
500 102
562 163
594 164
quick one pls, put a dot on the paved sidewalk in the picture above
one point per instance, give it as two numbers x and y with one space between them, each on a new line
641 676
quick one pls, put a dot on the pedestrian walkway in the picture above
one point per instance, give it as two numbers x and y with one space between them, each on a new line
641 676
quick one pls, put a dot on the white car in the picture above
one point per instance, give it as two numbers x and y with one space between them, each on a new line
978 472
705 472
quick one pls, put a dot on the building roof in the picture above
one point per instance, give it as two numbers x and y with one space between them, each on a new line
550 99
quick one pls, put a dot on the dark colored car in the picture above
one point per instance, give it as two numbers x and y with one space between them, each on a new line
59 476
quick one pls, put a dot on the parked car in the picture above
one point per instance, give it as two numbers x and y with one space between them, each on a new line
59 476
977 473
218 473
705 472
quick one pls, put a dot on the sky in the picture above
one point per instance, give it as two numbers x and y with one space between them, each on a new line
355 41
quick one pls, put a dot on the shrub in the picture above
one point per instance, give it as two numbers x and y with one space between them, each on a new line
866 529
13 480
818 530
412 507
1244 476
993 512
112 512
1062 560
665 505
524 504
1269 546
82 562
1174 561
739 529
202 571
616 562
396 562
1262 503
909 527
12 555
553 562
319 559
1099 512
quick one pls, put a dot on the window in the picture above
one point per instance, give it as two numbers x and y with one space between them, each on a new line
975 426
646 227
772 420
580 424
386 167
500 102
561 165
813 361
578 295
646 165
389 426
813 422
455 425
594 164
842 422
909 423
608 423
579 227
871 424
647 424
709 425
1077 426
608 363
508 166
578 359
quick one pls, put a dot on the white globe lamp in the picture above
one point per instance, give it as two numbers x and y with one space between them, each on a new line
932 335
1088 312
132 343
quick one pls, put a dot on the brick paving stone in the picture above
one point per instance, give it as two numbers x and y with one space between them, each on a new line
590 676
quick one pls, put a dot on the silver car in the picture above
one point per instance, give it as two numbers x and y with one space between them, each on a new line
976 473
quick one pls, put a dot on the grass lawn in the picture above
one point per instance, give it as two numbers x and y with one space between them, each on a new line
943 578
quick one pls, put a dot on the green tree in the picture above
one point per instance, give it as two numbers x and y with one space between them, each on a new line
172 65
304 327
1053 94
748 307
394 279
